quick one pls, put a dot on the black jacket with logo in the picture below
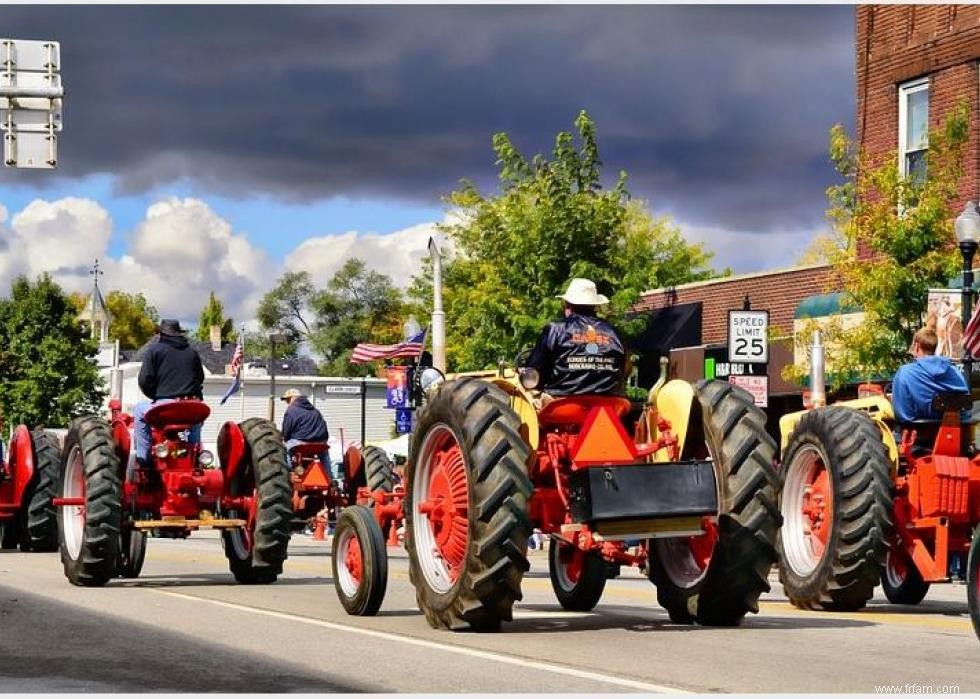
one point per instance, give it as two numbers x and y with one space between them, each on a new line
171 369
304 422
580 355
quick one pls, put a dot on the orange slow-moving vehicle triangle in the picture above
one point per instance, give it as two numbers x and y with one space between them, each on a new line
603 440
316 477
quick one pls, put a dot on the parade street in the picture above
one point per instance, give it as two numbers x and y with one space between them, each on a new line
184 626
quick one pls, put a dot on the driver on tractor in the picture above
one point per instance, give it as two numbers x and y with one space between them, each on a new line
580 353
303 424
917 383
171 371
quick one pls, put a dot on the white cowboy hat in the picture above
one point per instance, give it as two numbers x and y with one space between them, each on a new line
582 292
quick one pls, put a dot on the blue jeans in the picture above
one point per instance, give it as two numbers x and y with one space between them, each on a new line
143 434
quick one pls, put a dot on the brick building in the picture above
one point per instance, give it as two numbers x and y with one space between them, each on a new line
914 63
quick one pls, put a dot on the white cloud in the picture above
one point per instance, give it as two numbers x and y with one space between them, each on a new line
398 254
179 252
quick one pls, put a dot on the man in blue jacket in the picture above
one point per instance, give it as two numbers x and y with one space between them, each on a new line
303 423
918 382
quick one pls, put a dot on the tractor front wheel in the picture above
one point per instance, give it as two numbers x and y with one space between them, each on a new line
716 578
359 561
89 528
973 581
837 510
257 551
901 580
578 577
466 507
132 552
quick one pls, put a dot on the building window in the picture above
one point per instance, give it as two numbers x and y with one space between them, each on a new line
913 128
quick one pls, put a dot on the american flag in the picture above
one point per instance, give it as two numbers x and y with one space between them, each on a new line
971 335
237 360
365 352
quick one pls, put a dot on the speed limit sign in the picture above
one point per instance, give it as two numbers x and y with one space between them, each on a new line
748 337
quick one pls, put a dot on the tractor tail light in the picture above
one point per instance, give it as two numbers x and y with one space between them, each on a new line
161 450
530 377
205 458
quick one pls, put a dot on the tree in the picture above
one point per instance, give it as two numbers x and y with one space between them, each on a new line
47 375
550 222
132 319
357 305
894 241
213 313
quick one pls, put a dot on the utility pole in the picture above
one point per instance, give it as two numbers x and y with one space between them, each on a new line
438 316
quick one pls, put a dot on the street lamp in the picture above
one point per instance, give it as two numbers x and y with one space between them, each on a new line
276 338
968 236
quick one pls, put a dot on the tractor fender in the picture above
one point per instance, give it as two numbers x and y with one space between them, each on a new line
21 463
231 450
522 404
674 403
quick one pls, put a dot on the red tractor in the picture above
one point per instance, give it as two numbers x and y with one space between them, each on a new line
28 482
860 508
691 497
107 504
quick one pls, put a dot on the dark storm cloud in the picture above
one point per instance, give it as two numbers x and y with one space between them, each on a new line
719 114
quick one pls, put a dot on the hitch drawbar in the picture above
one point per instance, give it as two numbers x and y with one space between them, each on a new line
644 500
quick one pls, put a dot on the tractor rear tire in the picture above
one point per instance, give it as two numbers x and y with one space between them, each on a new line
903 585
584 592
40 526
841 570
973 581
132 553
90 538
722 592
359 562
256 557
379 469
468 442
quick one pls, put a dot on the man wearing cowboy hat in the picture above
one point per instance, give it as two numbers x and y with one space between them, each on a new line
171 370
581 353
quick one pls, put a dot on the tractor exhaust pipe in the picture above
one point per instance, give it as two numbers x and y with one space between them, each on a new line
818 391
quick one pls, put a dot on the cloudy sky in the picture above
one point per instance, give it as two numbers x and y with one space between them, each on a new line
214 147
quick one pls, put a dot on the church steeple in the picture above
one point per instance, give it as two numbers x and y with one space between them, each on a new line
96 313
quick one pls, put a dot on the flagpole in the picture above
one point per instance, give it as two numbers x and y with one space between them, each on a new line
241 401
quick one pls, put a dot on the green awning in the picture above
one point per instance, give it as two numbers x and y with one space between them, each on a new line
820 305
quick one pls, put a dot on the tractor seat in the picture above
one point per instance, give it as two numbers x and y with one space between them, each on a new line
179 415
573 410
310 450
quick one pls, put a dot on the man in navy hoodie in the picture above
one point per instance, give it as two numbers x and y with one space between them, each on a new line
171 370
303 423
918 382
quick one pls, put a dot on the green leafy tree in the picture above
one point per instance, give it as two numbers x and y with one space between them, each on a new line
895 240
357 305
213 313
47 375
133 319
515 251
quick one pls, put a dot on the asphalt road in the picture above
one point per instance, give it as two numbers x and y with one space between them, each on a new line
184 626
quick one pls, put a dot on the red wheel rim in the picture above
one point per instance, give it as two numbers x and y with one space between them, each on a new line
353 560
442 509
572 560
703 545
817 508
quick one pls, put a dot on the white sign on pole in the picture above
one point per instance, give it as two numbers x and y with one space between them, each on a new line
349 390
31 99
757 386
748 337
